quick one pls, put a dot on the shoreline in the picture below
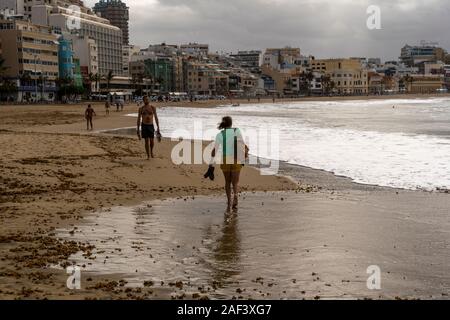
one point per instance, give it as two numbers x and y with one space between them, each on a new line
59 174
216 103
54 178
288 170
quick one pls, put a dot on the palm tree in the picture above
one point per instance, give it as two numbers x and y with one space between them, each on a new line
109 78
3 67
326 81
407 80
309 79
63 86
6 86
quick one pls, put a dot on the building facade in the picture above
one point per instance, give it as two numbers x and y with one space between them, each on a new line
249 60
128 51
195 49
117 13
348 75
204 79
107 37
411 56
32 59
65 59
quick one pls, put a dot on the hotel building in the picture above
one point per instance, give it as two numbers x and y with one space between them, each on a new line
117 13
348 75
31 55
108 38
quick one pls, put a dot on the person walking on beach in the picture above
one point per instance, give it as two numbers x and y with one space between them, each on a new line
145 126
107 107
234 153
89 114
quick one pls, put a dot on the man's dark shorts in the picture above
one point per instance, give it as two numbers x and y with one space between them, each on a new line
148 131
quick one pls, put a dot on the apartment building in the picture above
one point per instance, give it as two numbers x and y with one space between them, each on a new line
31 55
205 78
16 6
281 58
348 75
411 56
127 52
117 13
29 4
65 59
195 49
282 78
248 60
425 83
108 38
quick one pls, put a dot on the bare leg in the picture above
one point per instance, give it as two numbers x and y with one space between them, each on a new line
87 124
152 144
147 147
235 183
90 121
227 176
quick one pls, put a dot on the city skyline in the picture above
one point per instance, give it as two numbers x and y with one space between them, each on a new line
321 28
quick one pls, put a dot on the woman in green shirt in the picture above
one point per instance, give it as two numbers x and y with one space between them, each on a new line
230 143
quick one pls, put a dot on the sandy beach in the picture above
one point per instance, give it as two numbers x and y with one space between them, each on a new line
153 230
53 173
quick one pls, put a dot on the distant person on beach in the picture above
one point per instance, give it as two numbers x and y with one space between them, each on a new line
89 114
107 107
234 153
146 127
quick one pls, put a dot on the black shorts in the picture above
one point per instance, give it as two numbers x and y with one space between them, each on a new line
148 131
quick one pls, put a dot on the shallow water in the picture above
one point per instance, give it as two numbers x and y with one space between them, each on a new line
278 246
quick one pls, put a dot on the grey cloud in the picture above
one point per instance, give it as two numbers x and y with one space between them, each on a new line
325 28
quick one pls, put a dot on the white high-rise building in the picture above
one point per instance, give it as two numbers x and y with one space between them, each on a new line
15 5
85 24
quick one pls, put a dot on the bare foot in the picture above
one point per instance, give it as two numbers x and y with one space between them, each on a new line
235 203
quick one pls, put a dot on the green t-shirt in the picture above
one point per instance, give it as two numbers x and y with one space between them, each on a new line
226 147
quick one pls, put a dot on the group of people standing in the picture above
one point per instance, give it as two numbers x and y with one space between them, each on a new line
229 142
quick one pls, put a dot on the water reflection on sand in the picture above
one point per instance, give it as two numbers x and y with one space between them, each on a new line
278 246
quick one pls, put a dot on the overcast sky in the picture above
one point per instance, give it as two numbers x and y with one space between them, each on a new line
324 28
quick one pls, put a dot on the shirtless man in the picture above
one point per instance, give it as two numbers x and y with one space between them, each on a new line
145 126
89 114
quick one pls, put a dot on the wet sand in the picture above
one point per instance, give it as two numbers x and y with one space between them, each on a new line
73 196
280 245
53 173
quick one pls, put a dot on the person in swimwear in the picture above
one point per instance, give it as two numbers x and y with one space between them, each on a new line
89 114
234 153
145 126
107 107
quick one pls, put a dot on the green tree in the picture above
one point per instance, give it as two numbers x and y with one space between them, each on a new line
109 77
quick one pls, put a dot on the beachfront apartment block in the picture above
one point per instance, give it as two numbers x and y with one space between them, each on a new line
281 58
128 51
86 52
108 38
411 56
15 7
195 49
117 13
348 75
31 55
205 78
248 60
420 84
